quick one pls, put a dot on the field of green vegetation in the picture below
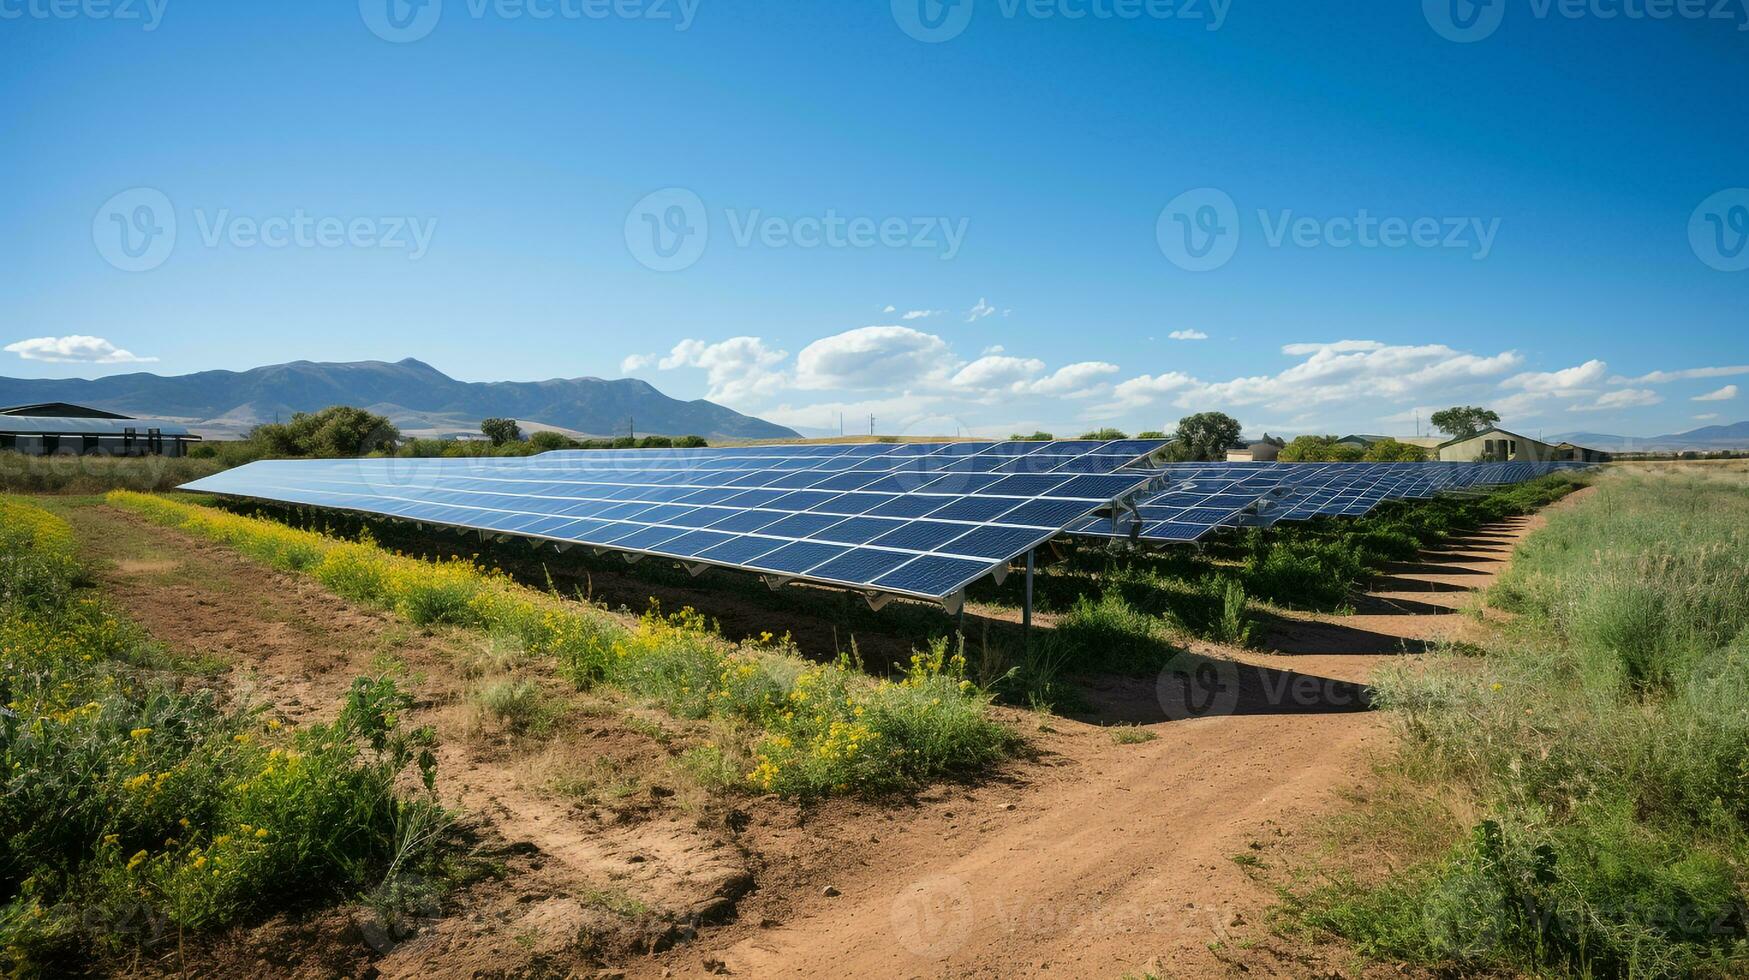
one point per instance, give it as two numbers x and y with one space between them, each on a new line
784 724
20 474
1575 798
139 803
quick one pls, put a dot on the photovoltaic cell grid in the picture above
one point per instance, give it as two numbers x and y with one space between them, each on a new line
922 520
1201 498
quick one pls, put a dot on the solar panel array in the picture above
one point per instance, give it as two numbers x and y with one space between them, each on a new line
1201 498
920 520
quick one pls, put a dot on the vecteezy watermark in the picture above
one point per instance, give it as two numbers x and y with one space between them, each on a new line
667 230
300 229
404 21
1199 230
935 21
1194 686
933 918
136 231
1467 21
1718 230
147 13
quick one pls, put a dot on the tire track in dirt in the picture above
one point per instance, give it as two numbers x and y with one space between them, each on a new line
1106 859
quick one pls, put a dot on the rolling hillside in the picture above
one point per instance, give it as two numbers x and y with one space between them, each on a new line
415 396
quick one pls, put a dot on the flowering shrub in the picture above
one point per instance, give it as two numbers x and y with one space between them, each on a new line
807 729
133 805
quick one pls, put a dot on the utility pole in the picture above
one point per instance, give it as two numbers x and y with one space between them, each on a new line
871 424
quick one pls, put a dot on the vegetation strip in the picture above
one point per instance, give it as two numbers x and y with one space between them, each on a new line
1598 751
137 803
785 724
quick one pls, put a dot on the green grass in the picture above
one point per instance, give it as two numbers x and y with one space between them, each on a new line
20 474
139 804
1604 742
789 725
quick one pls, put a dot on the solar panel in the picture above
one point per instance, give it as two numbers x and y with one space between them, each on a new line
921 520
1202 498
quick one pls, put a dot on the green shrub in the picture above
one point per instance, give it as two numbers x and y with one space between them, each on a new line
815 729
1602 738
136 804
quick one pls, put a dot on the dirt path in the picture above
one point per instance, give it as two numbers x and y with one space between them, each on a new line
1091 858
1109 859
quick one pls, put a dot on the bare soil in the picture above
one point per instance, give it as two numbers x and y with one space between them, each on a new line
1085 857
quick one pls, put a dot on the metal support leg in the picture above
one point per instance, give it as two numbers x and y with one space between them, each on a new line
1026 610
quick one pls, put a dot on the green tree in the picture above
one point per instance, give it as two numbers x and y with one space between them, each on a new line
1035 437
690 442
337 432
1463 421
1152 434
1392 451
1205 436
1320 449
546 442
1105 435
501 431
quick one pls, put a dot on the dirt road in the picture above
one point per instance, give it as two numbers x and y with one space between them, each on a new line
1089 858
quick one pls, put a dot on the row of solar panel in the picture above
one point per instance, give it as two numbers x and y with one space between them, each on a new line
1203 498
924 533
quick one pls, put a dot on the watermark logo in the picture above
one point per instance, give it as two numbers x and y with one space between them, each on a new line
1193 686
147 13
933 21
401 21
1467 21
1464 21
300 229
667 230
1718 230
135 231
933 918
1199 229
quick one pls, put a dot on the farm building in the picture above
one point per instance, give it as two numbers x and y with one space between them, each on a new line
1266 450
1495 444
1366 441
60 429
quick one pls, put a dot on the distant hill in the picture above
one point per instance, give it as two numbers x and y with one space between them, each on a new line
415 396
1733 436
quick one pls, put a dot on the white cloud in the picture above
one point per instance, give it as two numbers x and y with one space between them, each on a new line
1083 379
890 308
921 314
980 311
994 349
76 349
739 369
1345 371
1567 381
1340 347
1624 398
1724 394
870 358
636 362
997 371
1188 335
1706 416
1688 374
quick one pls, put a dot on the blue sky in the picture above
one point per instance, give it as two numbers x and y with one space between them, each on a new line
807 209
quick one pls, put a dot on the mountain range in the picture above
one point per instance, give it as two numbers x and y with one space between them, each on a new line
1733 436
417 397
